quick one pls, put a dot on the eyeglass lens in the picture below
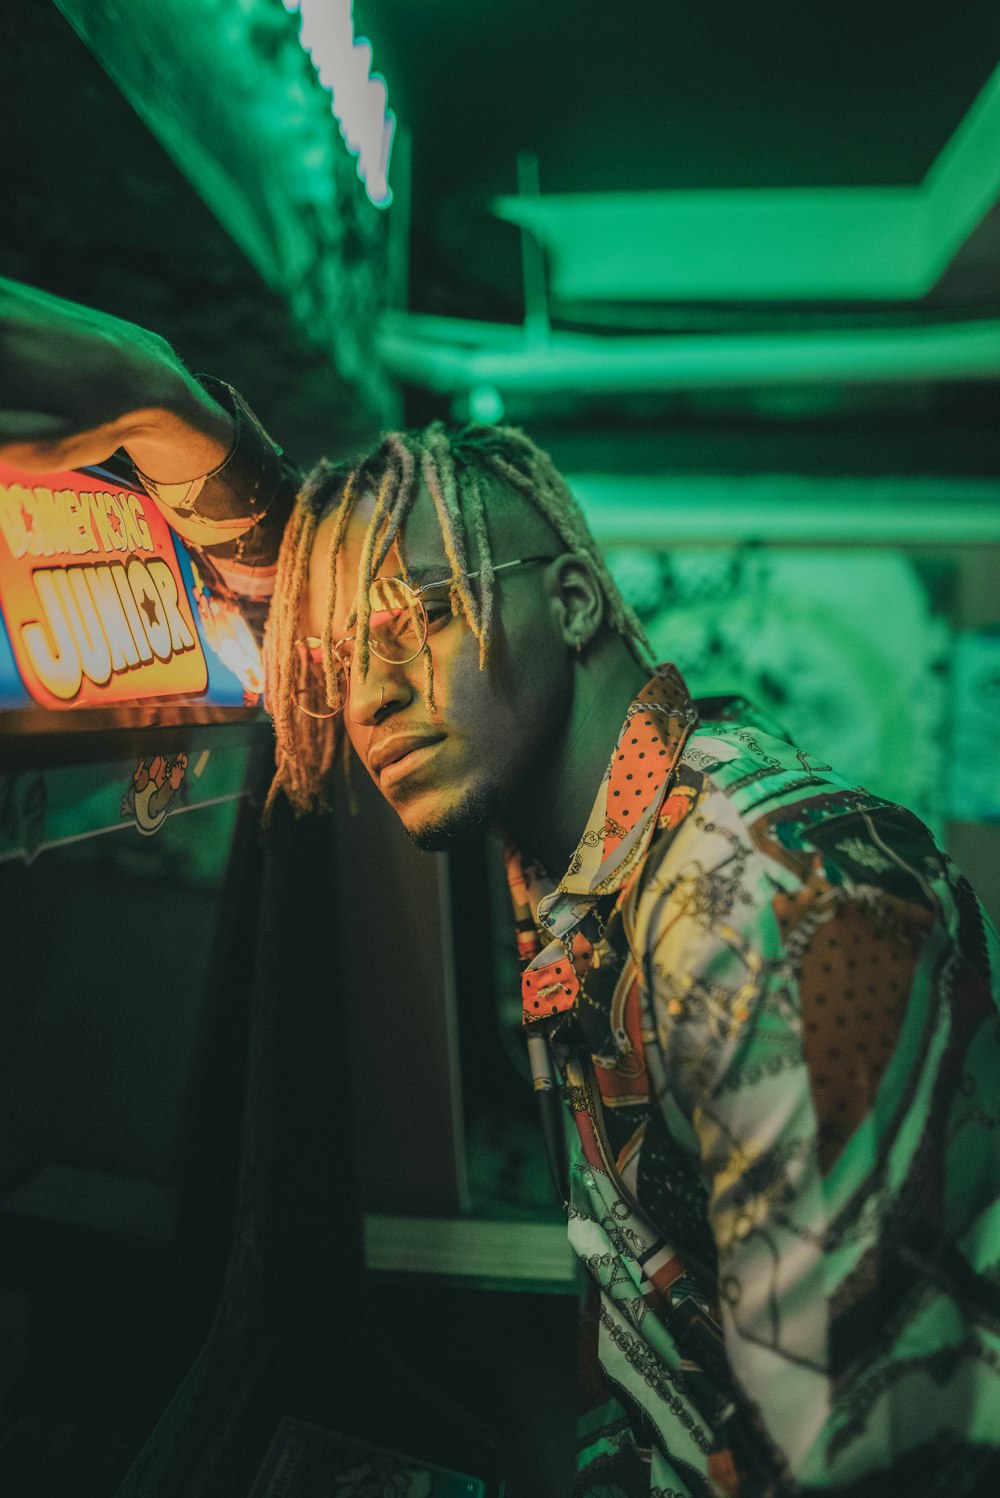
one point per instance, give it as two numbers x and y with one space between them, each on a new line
310 688
397 629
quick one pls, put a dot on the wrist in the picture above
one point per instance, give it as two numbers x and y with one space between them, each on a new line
232 494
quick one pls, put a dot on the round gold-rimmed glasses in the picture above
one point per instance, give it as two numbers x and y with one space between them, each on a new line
398 623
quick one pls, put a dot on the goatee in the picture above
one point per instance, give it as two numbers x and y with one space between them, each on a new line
469 817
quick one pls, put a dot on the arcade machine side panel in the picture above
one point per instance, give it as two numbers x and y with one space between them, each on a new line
170 1207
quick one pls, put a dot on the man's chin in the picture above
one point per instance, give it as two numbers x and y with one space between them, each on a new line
437 832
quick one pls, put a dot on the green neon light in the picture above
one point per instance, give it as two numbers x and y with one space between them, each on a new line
225 87
736 509
789 244
441 354
360 99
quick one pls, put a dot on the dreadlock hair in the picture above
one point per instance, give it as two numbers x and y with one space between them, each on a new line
459 469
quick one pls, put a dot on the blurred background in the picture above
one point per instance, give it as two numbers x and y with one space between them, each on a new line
738 269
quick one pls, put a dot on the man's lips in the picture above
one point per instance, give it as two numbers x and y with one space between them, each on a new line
398 746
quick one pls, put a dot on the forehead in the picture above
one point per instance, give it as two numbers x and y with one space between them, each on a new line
422 539
425 555
423 542
512 526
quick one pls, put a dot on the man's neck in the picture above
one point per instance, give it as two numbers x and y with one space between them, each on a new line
555 802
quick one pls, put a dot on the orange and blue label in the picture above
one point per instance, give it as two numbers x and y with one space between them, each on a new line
98 602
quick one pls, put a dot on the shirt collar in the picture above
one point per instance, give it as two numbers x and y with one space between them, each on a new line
621 823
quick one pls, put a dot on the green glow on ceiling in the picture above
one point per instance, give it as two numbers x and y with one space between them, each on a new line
739 509
788 243
360 99
450 356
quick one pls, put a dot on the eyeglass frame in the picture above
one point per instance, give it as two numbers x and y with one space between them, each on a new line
314 642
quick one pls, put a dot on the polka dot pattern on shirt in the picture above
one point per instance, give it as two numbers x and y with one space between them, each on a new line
854 982
637 773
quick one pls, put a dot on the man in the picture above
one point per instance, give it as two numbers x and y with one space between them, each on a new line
768 1000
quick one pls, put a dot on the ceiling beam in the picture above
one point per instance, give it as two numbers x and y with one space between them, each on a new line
788 508
439 354
781 244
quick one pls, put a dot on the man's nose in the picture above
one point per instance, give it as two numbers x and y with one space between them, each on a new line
385 688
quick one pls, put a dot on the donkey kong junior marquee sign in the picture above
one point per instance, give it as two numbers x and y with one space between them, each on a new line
92 593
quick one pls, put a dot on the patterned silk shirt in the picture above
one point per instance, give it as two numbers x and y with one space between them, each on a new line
772 1004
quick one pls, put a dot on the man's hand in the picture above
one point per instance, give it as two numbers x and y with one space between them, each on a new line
76 385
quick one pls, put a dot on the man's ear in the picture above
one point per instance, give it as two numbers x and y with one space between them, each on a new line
577 598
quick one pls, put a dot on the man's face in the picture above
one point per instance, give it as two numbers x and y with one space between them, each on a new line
492 733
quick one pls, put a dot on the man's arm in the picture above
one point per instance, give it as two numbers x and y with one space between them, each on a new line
76 385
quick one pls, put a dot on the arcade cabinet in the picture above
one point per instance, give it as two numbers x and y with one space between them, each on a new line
183 1297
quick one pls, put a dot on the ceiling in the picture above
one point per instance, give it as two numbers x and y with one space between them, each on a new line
718 101
667 99
686 94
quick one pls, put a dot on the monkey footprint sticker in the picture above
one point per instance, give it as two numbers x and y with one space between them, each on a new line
156 786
